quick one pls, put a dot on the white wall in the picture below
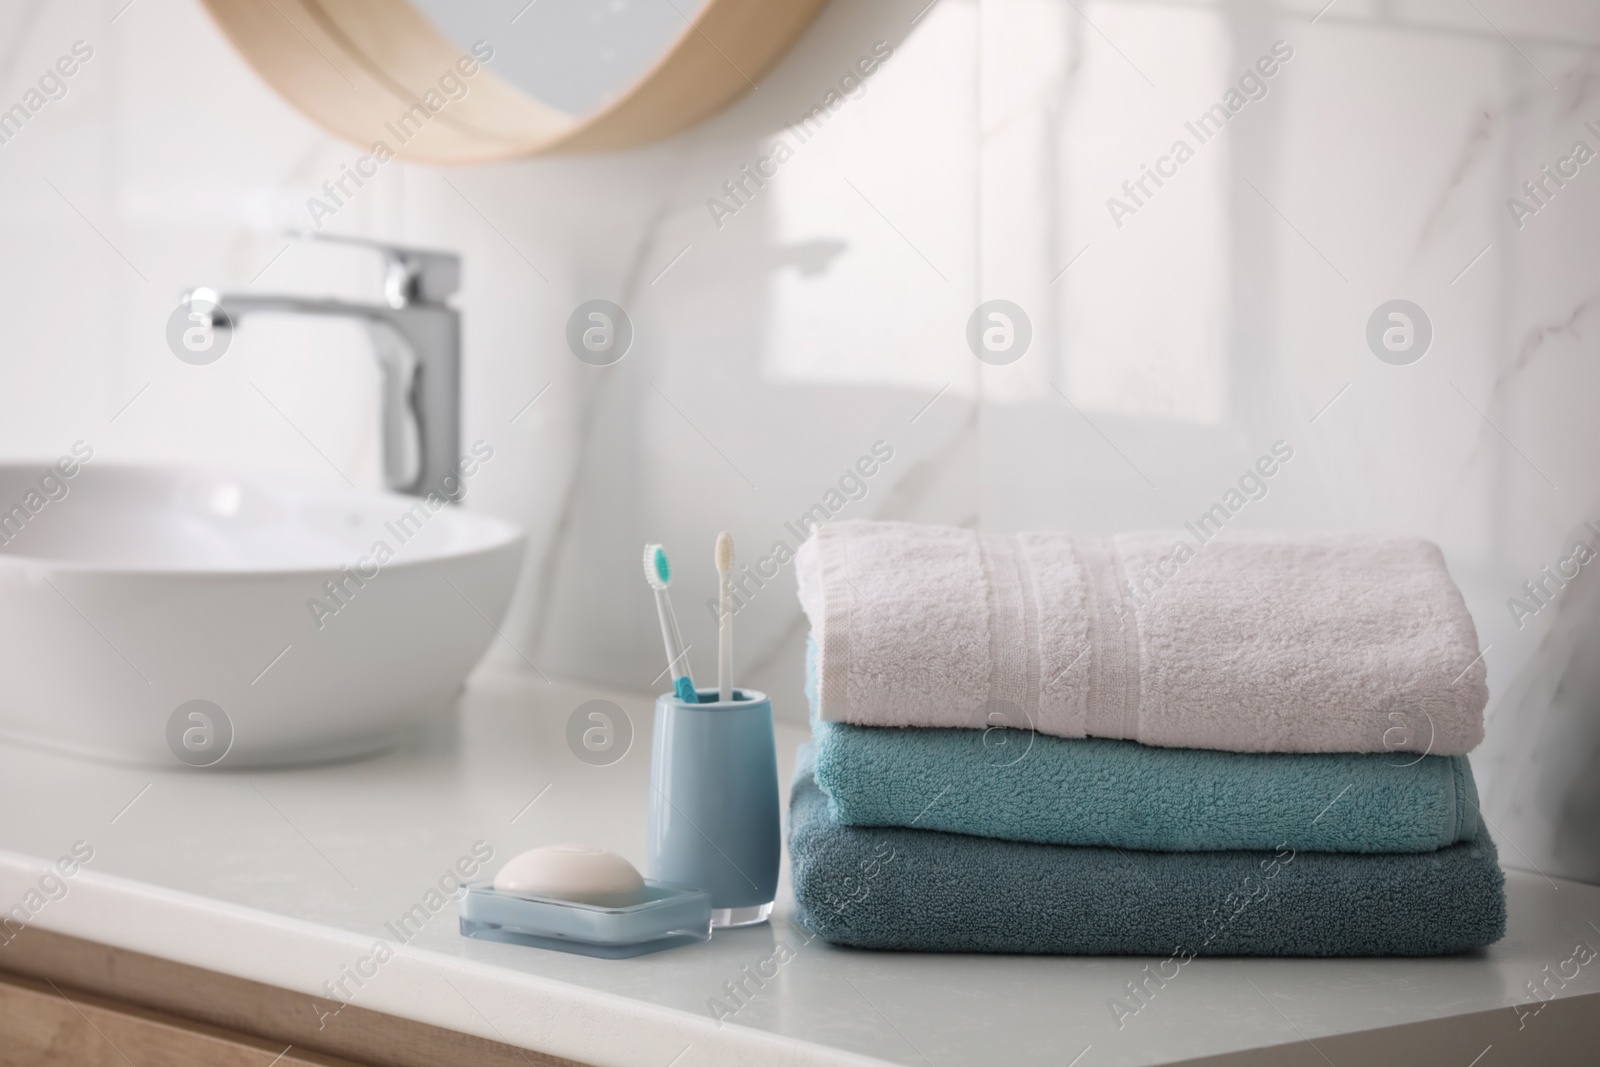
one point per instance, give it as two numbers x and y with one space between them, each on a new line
1226 313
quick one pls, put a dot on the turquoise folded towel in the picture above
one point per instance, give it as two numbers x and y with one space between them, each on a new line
923 890
1021 786
1092 791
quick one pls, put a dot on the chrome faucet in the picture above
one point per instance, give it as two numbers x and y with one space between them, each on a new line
417 338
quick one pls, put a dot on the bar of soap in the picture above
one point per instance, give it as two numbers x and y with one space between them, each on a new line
582 874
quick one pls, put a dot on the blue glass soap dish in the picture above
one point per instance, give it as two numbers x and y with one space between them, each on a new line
668 916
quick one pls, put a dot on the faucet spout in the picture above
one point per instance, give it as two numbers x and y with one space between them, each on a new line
417 339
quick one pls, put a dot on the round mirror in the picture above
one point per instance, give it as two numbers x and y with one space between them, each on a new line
471 81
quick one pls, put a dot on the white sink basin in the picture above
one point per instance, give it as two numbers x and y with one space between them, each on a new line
163 615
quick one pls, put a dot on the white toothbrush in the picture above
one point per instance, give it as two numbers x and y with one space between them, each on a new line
658 572
725 618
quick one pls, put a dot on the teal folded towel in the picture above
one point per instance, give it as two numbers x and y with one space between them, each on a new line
1093 791
923 890
1021 786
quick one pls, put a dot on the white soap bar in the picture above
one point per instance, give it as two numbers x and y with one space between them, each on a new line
580 873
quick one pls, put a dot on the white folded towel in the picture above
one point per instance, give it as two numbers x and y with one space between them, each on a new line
1241 643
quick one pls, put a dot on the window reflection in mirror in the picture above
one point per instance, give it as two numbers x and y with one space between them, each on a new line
574 55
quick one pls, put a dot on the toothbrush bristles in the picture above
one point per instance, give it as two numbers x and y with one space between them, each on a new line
657 569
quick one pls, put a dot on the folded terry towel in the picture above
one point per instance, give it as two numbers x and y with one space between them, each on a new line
1248 644
1092 791
921 890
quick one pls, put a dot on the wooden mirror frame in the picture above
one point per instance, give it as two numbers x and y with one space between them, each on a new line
377 72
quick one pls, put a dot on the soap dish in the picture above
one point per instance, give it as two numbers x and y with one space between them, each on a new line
668 916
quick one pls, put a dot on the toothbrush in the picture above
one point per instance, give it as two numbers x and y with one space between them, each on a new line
658 572
725 618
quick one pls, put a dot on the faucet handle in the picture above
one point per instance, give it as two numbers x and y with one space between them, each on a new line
411 275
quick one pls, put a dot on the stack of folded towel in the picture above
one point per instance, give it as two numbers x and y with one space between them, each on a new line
1037 743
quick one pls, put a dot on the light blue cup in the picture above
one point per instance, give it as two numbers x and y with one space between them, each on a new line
714 802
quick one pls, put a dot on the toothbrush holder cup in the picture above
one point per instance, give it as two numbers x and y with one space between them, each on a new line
714 818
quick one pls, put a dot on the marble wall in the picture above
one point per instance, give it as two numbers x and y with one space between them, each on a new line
1180 324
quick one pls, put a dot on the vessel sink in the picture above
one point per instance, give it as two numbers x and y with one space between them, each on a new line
174 617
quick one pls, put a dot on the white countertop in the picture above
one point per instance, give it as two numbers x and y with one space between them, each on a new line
286 877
